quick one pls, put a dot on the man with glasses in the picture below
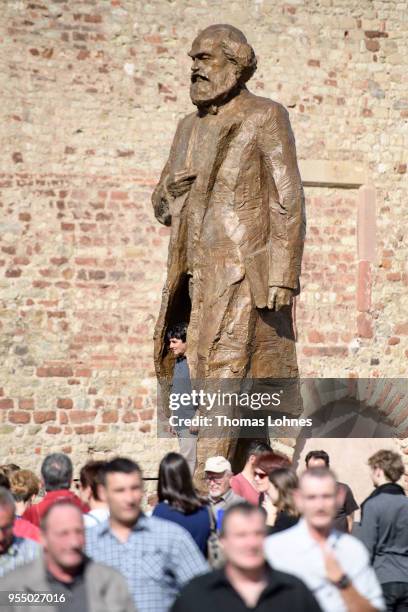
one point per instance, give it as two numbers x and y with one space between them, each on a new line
217 473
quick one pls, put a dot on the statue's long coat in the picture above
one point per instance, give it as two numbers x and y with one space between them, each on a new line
238 231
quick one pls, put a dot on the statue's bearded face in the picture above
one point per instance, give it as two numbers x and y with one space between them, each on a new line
213 75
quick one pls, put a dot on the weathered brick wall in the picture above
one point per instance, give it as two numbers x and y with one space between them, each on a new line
91 93
329 284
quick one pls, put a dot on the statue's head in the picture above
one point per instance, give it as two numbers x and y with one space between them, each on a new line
223 62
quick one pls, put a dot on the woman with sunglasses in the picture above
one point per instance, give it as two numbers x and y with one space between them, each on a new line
276 483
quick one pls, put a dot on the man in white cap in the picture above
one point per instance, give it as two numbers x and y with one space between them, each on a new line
220 495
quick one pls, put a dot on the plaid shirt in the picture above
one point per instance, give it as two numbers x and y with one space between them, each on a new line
157 560
20 552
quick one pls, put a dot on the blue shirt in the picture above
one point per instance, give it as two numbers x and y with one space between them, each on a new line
197 523
20 552
157 560
296 552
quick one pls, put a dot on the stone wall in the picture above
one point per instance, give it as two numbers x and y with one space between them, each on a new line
91 94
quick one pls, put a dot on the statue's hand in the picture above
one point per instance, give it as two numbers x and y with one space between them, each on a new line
179 183
162 213
279 297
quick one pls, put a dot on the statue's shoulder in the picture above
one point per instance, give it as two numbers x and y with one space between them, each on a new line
261 105
187 118
184 126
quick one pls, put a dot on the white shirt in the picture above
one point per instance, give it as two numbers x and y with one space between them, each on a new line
96 516
295 551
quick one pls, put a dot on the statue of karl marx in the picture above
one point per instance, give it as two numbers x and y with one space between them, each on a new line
232 194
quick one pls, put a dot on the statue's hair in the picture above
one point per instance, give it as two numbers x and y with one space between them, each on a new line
235 47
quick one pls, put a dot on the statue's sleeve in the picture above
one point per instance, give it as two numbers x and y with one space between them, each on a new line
286 199
160 196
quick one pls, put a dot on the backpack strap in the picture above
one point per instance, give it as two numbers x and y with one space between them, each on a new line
213 523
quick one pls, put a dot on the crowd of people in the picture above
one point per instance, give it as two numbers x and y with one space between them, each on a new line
266 538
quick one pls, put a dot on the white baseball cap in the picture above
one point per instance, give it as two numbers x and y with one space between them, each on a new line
217 464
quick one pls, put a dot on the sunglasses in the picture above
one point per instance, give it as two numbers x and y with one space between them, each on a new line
260 475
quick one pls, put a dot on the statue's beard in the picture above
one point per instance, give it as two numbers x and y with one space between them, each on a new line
204 92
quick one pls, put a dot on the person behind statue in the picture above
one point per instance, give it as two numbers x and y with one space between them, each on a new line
232 193
187 437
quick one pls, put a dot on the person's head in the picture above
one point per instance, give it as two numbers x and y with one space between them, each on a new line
242 536
56 472
386 466
122 490
177 336
256 448
223 61
63 535
4 480
217 473
90 477
317 458
175 484
9 468
316 497
264 464
24 486
282 488
7 516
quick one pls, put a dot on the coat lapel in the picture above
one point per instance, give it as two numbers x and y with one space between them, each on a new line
201 148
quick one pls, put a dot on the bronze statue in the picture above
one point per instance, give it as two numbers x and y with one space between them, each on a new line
232 193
